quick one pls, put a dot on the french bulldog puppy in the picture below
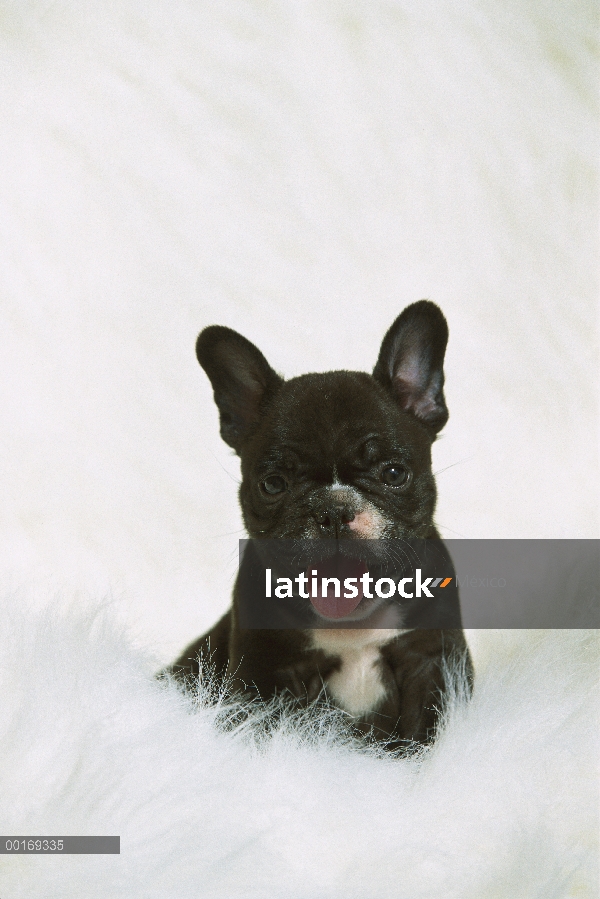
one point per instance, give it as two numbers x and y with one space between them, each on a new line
345 457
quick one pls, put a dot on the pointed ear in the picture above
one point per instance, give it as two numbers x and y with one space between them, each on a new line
241 377
411 363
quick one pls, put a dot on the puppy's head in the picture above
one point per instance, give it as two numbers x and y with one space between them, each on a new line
341 454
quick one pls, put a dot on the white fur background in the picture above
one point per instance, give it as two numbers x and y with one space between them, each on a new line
301 172
505 807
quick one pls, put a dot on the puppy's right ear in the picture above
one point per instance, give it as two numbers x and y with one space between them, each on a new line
242 380
411 363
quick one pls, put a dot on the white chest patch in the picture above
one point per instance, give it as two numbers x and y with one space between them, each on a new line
357 687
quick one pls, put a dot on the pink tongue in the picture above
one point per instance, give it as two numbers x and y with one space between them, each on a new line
332 606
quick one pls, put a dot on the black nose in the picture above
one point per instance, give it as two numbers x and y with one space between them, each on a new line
333 520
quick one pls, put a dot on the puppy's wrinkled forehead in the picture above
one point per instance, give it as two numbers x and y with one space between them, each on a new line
328 418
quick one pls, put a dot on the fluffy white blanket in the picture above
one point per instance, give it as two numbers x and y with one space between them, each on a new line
504 805
300 172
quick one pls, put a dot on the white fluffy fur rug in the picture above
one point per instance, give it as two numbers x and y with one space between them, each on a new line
300 172
505 805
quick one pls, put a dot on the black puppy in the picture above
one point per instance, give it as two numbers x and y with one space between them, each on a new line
344 456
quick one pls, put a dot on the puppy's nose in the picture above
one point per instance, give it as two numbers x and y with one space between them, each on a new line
333 520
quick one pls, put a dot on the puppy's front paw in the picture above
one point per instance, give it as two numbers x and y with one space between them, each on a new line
304 680
421 687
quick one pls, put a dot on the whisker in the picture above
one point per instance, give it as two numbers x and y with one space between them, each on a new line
446 528
460 462
228 473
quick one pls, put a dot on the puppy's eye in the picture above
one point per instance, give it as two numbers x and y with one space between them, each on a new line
395 476
273 484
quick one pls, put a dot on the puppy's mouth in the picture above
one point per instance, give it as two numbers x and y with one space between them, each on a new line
334 599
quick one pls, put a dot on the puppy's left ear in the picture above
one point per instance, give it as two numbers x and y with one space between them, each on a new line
411 363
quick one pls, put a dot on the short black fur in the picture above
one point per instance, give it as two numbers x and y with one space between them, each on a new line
315 455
